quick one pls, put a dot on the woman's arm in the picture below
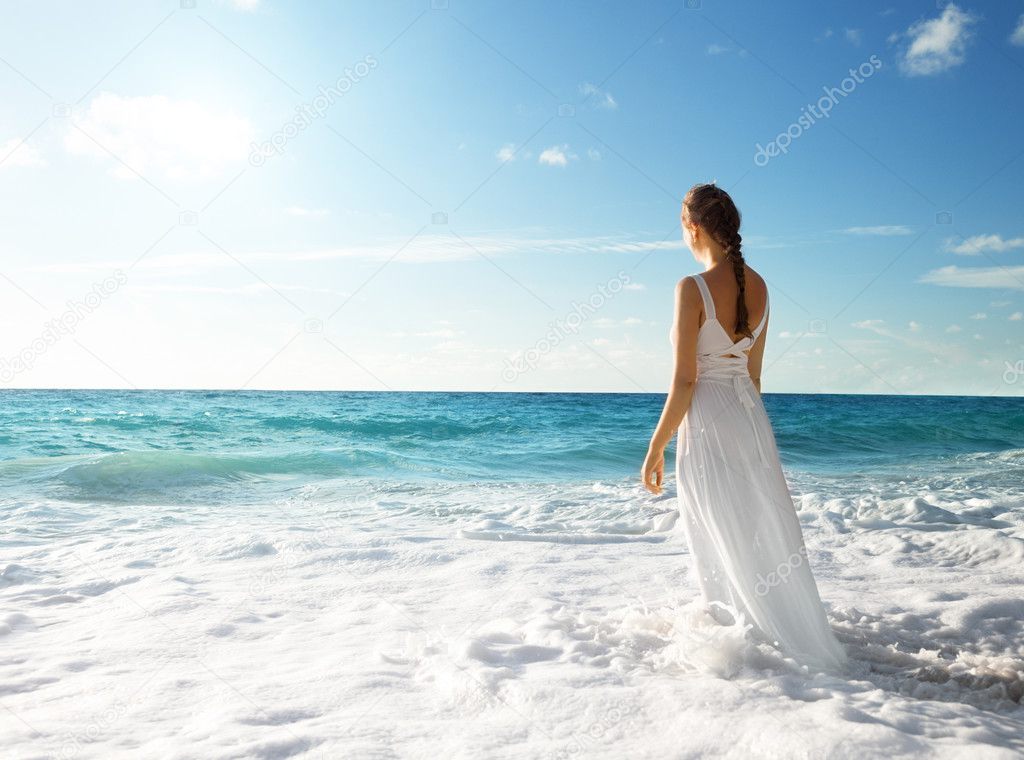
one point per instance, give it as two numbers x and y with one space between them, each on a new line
684 376
757 356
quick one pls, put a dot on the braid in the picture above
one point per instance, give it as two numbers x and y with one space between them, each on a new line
734 253
712 208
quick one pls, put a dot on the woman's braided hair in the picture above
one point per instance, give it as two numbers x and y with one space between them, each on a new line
711 207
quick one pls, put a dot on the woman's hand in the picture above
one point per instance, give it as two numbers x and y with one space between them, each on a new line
653 471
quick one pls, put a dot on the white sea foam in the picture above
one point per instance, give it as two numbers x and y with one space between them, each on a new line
440 619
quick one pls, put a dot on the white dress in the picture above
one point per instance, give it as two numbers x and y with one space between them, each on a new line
735 505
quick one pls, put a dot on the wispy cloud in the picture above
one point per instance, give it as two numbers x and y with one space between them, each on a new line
881 229
978 244
1017 38
424 249
602 98
256 288
17 152
879 327
1016 316
714 49
853 36
870 324
976 277
932 46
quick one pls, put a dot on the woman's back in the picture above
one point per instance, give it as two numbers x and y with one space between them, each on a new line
721 282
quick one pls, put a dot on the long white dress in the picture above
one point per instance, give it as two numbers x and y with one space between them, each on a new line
735 505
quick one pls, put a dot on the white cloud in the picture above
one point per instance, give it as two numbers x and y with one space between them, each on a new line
159 136
634 286
1016 316
954 329
977 244
880 328
979 315
603 99
881 229
424 249
555 156
633 321
1017 38
714 49
870 324
256 288
593 154
853 35
938 44
16 152
506 152
976 277
914 326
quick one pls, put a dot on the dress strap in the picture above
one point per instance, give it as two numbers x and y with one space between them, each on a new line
764 317
705 294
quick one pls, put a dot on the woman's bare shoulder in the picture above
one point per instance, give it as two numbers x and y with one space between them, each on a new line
755 282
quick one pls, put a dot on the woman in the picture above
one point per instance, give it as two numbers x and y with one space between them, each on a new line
734 502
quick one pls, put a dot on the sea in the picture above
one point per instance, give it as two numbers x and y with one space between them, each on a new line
328 574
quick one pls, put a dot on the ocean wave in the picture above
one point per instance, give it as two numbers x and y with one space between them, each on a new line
154 472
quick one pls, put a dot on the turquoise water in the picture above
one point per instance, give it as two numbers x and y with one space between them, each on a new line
159 445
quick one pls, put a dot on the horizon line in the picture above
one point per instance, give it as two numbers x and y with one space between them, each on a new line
483 392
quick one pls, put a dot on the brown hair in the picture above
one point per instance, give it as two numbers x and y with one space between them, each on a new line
711 207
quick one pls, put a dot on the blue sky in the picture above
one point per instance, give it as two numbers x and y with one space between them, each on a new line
485 196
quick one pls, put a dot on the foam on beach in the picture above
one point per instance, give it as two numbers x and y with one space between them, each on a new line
282 599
